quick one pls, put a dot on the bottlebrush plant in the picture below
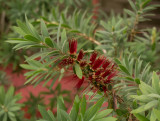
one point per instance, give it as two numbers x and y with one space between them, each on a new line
9 108
102 59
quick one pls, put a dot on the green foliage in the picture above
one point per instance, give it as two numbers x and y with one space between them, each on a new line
4 80
32 104
9 108
149 98
79 112
55 93
146 46
132 71
113 37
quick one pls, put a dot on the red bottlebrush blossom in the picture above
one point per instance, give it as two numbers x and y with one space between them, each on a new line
79 84
98 62
80 55
98 73
106 73
73 46
106 64
66 61
93 57
112 75
83 63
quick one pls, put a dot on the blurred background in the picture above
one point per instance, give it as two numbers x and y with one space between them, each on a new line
118 5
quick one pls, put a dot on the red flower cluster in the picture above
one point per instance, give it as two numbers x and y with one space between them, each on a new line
98 72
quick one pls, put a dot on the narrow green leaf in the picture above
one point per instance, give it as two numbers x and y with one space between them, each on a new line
83 105
44 113
31 38
157 113
44 30
75 109
78 70
103 114
156 82
51 115
106 119
132 5
151 104
9 95
2 93
124 69
49 42
140 117
92 111
145 3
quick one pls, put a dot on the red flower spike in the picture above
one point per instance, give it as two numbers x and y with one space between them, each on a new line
107 82
98 62
80 55
93 57
104 89
79 84
90 78
98 72
112 75
112 66
73 46
83 63
107 72
66 61
106 64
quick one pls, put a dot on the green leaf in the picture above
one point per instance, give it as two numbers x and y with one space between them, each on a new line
2 93
19 30
138 110
31 38
142 98
51 115
117 61
44 30
9 95
145 3
78 70
54 80
106 119
49 42
151 104
32 29
83 105
153 117
137 81
5 117
145 88
156 82
75 109
140 117
65 115
103 114
157 113
44 113
58 33
132 5
60 103
28 67
92 111
23 27
124 69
